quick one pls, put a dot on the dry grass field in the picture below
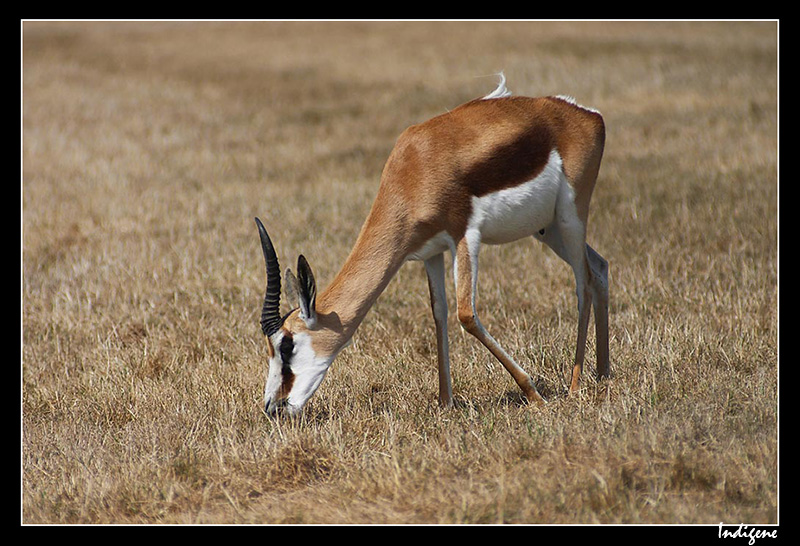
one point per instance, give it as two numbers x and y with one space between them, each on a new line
148 148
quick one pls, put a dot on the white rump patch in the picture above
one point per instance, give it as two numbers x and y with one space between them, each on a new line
501 91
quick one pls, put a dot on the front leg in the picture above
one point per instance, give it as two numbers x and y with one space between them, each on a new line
434 267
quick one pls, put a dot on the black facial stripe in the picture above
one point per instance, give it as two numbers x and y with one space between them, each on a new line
286 348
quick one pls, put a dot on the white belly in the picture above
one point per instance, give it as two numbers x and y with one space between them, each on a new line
509 214
513 213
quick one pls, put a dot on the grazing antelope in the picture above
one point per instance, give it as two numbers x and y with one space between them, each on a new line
491 171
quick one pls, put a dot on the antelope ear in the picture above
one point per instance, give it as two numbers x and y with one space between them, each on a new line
306 292
290 287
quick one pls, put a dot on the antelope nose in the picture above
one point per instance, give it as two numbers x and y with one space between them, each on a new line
272 407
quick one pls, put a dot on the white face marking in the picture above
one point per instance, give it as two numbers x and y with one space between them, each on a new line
309 371
520 211
291 386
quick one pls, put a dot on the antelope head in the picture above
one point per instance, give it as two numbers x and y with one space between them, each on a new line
295 367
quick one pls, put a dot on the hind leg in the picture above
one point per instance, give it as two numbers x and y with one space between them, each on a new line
584 293
591 286
599 284
566 236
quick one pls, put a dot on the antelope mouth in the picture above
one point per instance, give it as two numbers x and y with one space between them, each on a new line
277 407
282 408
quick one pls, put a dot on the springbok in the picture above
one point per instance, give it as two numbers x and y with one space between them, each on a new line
492 170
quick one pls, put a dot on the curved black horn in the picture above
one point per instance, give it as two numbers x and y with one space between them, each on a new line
270 312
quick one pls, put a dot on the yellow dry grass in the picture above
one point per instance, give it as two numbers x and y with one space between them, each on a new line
148 148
